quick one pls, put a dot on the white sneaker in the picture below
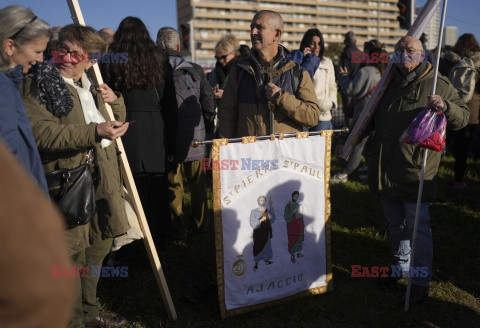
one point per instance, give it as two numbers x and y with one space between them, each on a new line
339 178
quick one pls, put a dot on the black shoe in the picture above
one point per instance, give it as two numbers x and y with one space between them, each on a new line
386 283
268 262
104 320
418 294
199 291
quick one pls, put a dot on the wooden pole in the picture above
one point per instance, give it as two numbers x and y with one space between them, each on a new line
428 11
132 190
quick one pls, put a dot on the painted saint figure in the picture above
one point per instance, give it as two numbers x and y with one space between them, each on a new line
295 226
261 220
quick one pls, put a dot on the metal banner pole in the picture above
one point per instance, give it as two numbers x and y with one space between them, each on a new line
424 164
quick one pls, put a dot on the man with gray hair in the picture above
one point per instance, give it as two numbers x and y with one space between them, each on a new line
394 167
195 121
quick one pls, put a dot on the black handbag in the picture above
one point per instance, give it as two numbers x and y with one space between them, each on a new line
74 192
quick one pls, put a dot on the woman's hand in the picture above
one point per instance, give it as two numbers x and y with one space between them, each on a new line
343 70
108 95
112 130
307 51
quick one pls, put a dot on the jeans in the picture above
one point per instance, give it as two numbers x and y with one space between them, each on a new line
401 218
322 125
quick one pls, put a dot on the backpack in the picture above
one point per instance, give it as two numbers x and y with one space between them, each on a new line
464 77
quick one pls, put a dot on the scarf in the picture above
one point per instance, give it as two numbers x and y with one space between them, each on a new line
90 111
262 79
52 89
403 80
16 75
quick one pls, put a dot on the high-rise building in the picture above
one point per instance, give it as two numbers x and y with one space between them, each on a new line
432 29
450 35
211 19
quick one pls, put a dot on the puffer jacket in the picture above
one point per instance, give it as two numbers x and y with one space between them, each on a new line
244 110
63 142
394 167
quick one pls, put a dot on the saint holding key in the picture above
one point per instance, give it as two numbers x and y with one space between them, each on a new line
267 93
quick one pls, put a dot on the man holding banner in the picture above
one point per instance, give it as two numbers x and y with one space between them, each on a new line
267 82
394 167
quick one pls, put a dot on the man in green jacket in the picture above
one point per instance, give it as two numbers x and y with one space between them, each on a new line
394 167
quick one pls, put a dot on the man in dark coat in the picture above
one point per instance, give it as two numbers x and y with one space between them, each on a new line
394 167
195 121
352 68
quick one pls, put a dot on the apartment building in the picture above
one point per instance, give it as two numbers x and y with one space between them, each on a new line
211 19
432 29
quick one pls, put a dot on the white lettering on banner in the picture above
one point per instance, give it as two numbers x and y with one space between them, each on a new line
288 283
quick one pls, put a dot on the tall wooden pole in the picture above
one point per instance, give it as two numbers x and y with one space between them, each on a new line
77 17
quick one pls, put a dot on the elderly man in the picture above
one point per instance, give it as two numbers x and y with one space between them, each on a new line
394 167
107 34
195 120
267 81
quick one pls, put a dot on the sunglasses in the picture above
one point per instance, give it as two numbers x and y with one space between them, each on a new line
224 57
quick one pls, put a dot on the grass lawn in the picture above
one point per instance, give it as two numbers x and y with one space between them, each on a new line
359 236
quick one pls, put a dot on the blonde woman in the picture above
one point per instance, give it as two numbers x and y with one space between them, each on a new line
225 51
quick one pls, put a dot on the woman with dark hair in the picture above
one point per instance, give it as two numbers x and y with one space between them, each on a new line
311 58
360 89
469 51
151 105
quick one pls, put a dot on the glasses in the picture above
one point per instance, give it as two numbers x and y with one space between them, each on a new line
23 28
224 57
75 56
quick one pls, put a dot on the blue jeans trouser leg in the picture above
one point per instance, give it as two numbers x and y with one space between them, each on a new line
322 125
401 219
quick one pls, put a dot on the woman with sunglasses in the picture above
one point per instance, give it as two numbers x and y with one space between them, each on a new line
311 57
70 124
24 37
225 51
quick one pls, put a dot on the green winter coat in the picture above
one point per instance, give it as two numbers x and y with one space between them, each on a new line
394 167
63 142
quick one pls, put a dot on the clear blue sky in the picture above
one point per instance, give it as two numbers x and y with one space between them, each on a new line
158 13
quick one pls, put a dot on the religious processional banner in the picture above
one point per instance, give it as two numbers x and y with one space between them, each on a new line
272 209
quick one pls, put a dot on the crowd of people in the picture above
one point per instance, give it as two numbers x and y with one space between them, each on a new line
53 119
